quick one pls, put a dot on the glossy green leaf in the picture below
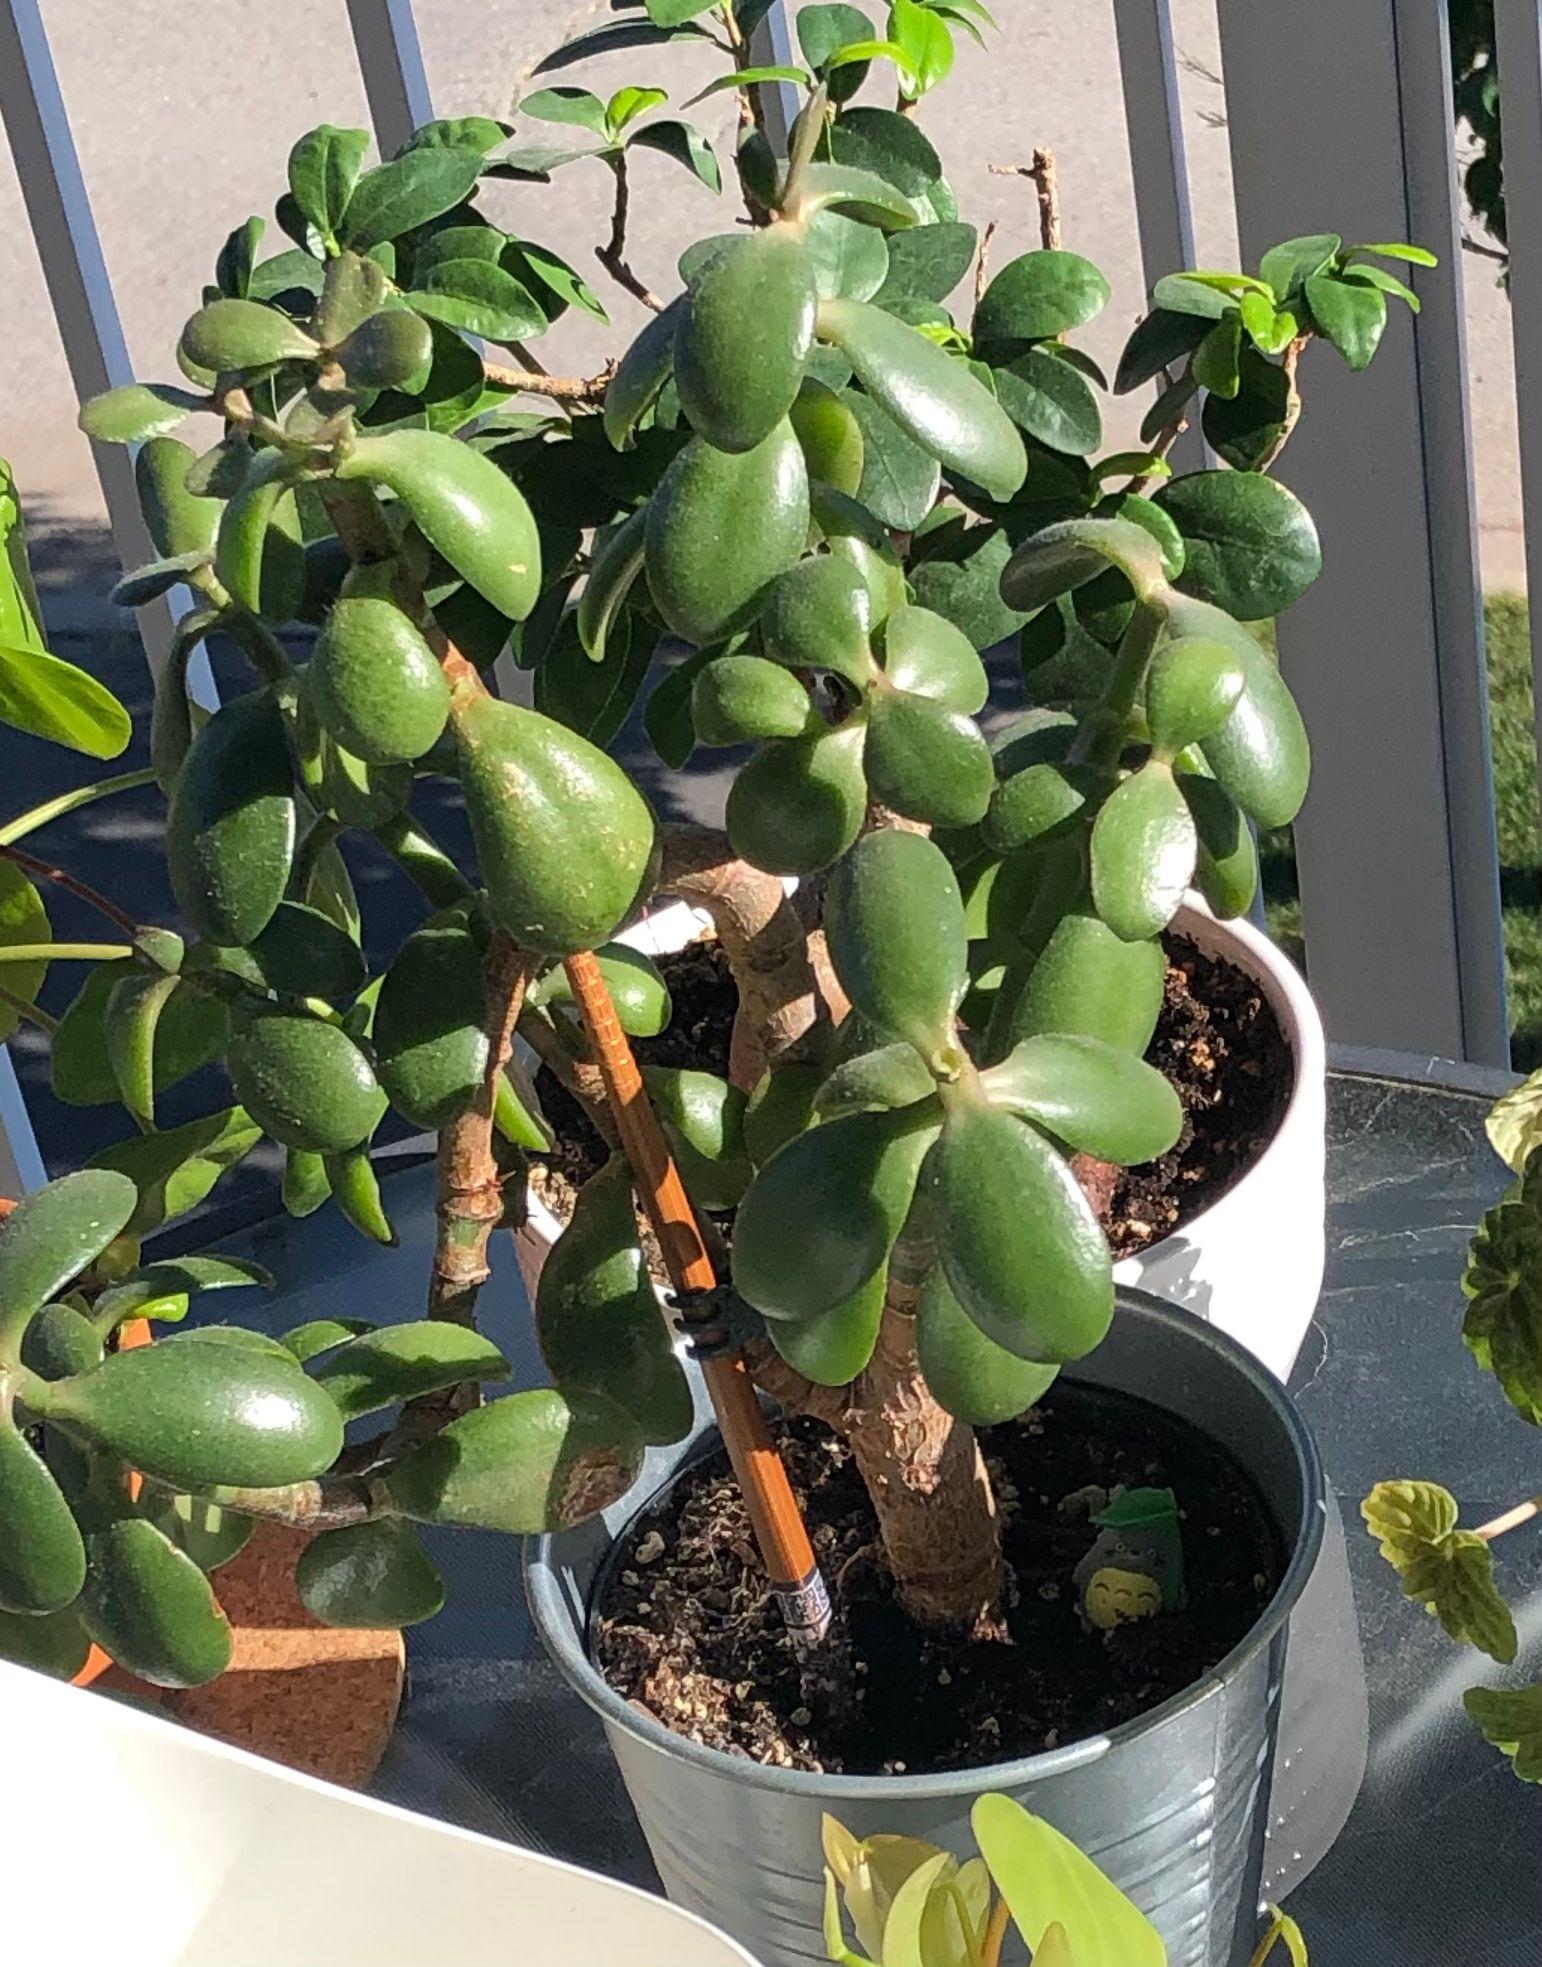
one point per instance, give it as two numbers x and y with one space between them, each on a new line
746 333
834 448
196 1413
1252 547
402 1362
55 1643
686 145
1351 315
534 1462
176 521
1287 267
1049 399
323 169
1246 429
644 369
152 1290
1044 800
832 1348
42 1559
739 699
369 1576
239 335
1017 1239
1096 1097
129 1022
637 987
1040 295
891 1076
933 398
721 528
860 194
53 699
319 1335
1181 293
848 257
926 655
618 560
138 410
1088 980
305 1082
958 576
974 1379
174 1170
899 478
1226 869
23 922
1164 339
848 1186
1143 851
1217 357
1260 754
1192 687
1047 1881
1450 1572
400 196
53 1234
463 505
1062 557
481 299
60 1341
928 262
230 831
799 803
925 761
894 920
149 1607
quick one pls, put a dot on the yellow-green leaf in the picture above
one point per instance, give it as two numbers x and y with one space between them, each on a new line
1047 1881
1511 1718
1281 1927
1450 1572
1514 1124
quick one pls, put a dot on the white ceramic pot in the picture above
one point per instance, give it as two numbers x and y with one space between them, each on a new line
1252 1262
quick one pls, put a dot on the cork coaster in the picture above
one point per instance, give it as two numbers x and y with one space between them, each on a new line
320 1698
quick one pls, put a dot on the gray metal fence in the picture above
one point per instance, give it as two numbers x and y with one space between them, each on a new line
1396 848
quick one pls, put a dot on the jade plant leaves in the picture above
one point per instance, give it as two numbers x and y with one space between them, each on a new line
563 836
974 1379
402 1362
720 528
230 831
925 761
935 399
740 699
1040 295
598 1319
531 1463
53 1234
746 333
369 1575
1450 1572
895 922
1066 555
799 803
926 654
175 1169
148 1605
637 987
1017 1239
1511 1719
848 1184
827 428
703 1117
899 478
198 1413
42 1558
1144 846
1096 1097
375 683
209 1535
429 1037
819 616
833 1347
55 1643
1252 547
305 1082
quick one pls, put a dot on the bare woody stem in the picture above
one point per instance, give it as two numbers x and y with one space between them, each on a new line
751 114
560 389
1512 1519
612 255
1292 416
1041 173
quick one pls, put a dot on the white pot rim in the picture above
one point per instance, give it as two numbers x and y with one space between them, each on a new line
665 930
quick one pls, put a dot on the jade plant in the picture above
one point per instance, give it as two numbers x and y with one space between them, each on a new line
1443 1566
790 515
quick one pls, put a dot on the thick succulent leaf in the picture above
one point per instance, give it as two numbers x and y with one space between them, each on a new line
42 1558
974 1379
799 803
741 699
703 1118
1260 754
1144 846
1511 1719
53 1234
819 615
926 762
924 653
1088 980
1192 687
534 1462
319 1335
1062 557
1226 870
150 1608
618 560
894 919
742 343
1018 1240
232 823
138 410
857 193
899 480
848 1184
162 1291
834 1347
55 1643
196 1412
401 1362
1047 1881
305 1082
936 400
1096 1097
891 1076
1450 1572
369 1575
833 444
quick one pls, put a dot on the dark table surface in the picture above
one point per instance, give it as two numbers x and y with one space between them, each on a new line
1441 1863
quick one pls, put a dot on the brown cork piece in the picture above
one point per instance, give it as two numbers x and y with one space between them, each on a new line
321 1699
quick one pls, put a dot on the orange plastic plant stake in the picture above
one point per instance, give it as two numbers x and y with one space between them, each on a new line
778 1523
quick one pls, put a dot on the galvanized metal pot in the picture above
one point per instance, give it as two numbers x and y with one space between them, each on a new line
1173 1806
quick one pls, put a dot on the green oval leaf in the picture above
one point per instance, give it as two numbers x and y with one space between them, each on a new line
400 196
1096 1097
370 1576
402 1362
149 1607
1040 295
974 1379
1252 547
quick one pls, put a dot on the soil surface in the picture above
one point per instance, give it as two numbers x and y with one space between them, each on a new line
1217 1041
685 1625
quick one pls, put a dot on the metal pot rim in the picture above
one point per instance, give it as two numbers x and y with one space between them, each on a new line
565 1642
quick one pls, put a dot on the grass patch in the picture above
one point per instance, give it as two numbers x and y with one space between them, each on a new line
1516 813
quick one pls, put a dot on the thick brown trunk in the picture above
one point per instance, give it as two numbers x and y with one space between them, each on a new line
923 1470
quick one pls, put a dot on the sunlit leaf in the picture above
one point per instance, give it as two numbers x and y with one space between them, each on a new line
1450 1572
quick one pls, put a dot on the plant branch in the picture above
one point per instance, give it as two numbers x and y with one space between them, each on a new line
1292 403
580 1077
751 115
982 268
1041 173
1102 735
612 255
331 1502
1512 1519
25 1008
561 389
42 870
71 802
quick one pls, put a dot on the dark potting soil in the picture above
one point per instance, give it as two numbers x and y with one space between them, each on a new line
685 1625
1217 1041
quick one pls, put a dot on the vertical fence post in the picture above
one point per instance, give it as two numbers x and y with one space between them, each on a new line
391 62
1342 116
37 128
1518 49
